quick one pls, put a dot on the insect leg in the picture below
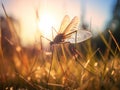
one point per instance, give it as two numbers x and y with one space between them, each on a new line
44 38
59 61
76 59
69 34
75 38
41 42
50 65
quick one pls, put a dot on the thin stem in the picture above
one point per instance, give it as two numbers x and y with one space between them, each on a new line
50 65
114 40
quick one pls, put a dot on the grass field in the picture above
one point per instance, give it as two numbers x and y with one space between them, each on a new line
66 67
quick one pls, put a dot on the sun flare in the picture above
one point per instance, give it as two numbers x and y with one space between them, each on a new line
45 24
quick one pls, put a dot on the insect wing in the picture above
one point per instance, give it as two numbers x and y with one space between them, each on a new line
82 35
64 23
72 25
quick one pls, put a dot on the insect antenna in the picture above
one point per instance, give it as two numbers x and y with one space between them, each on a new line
45 38
53 29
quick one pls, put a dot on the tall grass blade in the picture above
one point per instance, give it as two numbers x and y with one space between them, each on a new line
114 40
106 43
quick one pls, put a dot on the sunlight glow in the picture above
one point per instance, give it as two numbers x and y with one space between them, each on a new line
45 24
50 10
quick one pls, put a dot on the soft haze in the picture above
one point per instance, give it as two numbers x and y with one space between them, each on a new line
98 11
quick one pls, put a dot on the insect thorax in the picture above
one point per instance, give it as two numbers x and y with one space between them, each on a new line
59 38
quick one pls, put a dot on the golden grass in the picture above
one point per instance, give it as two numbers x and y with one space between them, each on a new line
62 70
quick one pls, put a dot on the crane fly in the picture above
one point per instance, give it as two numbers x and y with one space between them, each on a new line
65 27
68 32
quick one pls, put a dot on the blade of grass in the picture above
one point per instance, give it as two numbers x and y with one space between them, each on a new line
2 65
54 84
114 40
15 37
28 82
107 52
106 43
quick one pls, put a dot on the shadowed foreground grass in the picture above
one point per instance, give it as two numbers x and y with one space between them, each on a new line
70 69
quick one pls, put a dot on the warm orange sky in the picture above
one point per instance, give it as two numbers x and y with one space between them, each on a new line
53 11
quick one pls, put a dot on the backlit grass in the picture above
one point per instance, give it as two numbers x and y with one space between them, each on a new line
66 67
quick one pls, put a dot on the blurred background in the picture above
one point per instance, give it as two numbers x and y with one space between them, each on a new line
97 15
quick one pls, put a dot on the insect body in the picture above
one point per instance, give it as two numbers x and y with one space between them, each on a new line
69 32
59 38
